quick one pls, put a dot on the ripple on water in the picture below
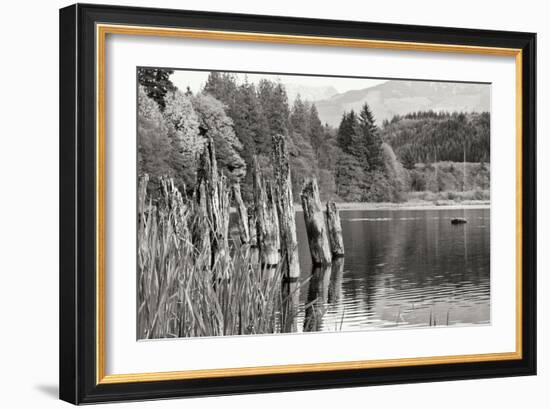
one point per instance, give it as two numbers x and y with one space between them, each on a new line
413 270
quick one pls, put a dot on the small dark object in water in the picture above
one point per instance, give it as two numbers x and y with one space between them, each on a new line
458 220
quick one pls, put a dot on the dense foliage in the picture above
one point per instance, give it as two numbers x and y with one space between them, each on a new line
427 137
156 83
355 162
367 169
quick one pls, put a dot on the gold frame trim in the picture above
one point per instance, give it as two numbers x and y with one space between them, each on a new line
101 32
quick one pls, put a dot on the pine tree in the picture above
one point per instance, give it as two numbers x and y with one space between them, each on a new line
299 117
350 178
421 133
156 83
316 132
222 86
251 129
251 121
346 131
369 140
274 102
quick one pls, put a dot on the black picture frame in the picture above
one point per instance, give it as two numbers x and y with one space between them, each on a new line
78 236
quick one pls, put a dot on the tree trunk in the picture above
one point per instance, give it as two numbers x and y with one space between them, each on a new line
242 214
334 226
316 225
267 229
201 225
285 202
215 197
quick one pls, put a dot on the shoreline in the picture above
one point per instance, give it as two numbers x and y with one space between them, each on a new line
411 205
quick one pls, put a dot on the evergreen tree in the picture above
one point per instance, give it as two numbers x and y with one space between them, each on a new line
274 102
368 141
350 178
407 158
299 117
303 157
346 131
251 129
245 114
302 161
251 121
328 151
316 131
222 86
417 136
156 83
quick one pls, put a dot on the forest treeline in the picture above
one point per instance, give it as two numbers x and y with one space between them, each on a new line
358 161
427 137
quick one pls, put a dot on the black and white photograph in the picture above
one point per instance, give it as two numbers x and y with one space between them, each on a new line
276 203
270 205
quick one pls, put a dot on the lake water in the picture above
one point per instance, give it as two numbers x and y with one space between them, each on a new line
402 268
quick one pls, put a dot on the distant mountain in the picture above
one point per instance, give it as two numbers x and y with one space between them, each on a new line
401 97
309 93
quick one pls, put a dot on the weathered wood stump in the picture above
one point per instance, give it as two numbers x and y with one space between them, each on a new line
201 225
267 228
242 214
334 226
316 225
274 214
285 203
213 193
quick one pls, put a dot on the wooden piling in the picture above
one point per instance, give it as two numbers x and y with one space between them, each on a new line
201 225
213 194
267 231
334 227
274 214
316 225
285 203
242 214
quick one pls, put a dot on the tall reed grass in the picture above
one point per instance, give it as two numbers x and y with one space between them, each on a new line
185 289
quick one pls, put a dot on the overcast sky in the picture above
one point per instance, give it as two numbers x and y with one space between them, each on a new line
196 80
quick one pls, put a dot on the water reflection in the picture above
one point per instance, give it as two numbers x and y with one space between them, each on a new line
402 268
317 298
291 305
336 276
